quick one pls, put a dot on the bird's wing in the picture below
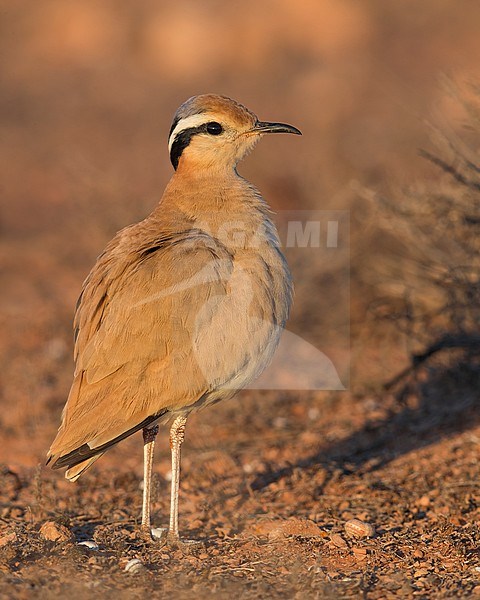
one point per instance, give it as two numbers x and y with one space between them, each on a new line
135 326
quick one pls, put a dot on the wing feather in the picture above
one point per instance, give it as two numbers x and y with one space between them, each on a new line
133 327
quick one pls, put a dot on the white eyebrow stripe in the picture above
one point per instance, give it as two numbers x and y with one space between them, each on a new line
186 123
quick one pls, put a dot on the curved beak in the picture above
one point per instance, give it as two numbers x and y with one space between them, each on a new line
265 127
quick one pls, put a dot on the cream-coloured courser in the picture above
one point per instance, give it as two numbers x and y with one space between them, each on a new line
182 309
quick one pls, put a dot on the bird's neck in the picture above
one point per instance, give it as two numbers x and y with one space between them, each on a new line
229 207
226 192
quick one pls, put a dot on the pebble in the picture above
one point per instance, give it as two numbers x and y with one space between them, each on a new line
424 502
55 532
338 541
159 532
134 565
360 553
359 529
90 544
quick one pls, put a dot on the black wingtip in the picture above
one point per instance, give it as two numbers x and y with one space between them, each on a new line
84 452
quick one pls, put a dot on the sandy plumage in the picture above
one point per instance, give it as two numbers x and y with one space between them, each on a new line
177 312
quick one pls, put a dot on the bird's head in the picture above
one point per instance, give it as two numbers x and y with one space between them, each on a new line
213 133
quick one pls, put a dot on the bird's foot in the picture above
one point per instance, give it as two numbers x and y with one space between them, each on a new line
166 538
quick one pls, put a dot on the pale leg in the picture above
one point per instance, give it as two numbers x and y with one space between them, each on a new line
177 435
149 435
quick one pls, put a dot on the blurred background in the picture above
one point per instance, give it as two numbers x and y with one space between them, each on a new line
88 91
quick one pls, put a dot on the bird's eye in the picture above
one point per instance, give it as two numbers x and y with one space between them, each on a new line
214 128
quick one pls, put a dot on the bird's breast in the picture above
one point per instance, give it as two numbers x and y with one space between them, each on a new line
246 321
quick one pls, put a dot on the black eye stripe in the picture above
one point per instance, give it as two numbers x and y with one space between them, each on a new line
181 141
183 138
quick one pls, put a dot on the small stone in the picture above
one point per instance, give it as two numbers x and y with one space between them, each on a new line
424 502
134 566
159 532
338 541
360 553
359 529
55 532
90 544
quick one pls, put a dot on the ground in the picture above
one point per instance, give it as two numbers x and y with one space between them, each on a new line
268 485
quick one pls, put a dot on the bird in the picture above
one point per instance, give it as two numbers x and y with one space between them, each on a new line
182 309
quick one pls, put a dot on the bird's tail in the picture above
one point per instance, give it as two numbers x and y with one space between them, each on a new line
74 472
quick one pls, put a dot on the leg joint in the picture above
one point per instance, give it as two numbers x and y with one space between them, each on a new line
149 434
177 431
